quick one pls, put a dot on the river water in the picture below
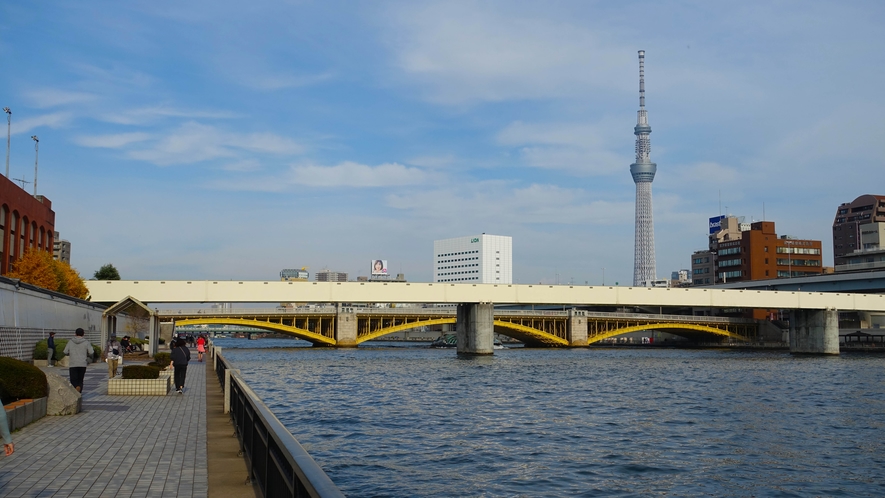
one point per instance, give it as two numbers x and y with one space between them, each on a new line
400 421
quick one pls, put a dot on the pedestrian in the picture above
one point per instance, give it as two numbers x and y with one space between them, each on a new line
201 347
78 350
8 445
113 353
50 350
180 356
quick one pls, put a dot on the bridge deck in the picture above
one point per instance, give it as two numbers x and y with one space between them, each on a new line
112 291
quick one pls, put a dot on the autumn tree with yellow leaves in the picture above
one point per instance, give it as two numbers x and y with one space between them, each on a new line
38 268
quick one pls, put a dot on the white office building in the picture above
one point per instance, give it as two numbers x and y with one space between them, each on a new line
478 259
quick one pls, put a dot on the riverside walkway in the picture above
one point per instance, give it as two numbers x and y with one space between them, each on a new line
128 446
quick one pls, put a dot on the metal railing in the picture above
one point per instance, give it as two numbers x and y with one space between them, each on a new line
277 463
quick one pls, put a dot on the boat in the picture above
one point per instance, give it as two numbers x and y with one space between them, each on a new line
451 341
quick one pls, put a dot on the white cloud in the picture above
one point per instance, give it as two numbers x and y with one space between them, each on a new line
52 97
194 142
579 148
351 174
268 81
53 120
114 141
466 51
245 166
501 203
145 115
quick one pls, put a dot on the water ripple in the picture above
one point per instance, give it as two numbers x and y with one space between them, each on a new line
403 422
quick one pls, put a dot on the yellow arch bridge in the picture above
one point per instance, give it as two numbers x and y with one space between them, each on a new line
534 328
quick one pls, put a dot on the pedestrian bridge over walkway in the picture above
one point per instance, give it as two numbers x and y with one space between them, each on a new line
534 328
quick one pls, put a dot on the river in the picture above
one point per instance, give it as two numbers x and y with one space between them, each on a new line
403 421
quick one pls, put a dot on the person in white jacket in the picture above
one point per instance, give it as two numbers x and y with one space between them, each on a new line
78 350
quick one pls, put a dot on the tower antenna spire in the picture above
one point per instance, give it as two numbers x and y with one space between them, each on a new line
643 171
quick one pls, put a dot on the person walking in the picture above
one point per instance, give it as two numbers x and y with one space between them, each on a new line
8 445
78 350
181 355
50 350
113 353
201 347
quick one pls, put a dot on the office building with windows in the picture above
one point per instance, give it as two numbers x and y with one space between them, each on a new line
478 259
851 220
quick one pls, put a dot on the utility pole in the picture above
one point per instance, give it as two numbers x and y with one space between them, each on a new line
8 134
36 157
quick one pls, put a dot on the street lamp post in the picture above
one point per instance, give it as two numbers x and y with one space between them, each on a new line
8 133
36 157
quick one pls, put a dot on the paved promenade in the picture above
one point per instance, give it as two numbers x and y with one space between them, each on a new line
123 446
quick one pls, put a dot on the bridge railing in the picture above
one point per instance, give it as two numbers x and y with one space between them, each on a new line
277 462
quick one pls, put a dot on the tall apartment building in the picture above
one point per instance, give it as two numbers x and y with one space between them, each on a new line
479 259
26 222
703 263
61 250
330 276
851 220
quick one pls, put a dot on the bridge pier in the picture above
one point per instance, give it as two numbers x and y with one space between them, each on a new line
577 327
476 328
345 327
814 331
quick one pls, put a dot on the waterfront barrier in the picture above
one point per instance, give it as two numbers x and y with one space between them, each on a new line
277 463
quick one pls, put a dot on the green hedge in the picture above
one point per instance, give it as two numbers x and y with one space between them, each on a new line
141 372
20 380
41 347
163 358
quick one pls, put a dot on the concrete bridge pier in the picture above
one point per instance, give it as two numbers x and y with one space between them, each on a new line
814 331
345 327
476 328
577 327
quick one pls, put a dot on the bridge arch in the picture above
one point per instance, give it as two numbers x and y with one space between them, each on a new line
519 332
687 329
307 335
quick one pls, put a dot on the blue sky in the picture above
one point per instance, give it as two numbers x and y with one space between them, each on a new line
229 140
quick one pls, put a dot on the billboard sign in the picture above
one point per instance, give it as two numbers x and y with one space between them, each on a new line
716 223
379 267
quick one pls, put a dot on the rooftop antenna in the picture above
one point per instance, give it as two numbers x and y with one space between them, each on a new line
22 181
8 132
36 156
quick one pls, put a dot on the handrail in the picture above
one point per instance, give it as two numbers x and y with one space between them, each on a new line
277 462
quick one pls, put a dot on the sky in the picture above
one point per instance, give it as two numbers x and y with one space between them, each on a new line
230 140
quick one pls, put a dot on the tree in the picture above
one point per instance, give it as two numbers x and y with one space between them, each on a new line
38 268
107 272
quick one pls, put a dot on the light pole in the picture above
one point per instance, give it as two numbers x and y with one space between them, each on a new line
36 157
8 132
603 276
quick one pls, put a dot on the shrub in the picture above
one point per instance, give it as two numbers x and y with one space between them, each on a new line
141 372
96 352
20 380
40 350
161 341
163 358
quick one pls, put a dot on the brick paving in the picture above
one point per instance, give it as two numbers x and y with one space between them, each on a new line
122 446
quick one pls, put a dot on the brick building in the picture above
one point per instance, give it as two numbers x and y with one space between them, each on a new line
760 254
26 221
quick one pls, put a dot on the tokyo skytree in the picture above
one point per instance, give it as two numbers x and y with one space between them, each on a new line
643 171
